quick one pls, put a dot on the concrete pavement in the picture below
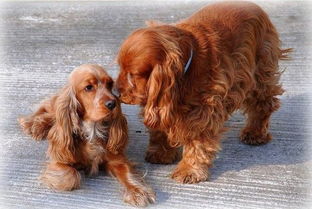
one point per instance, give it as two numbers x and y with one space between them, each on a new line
41 42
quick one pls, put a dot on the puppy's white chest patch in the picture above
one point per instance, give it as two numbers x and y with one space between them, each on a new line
95 130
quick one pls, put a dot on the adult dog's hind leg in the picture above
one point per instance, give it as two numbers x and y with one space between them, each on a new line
258 112
262 101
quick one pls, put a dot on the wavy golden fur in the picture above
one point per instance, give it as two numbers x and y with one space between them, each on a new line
234 66
86 130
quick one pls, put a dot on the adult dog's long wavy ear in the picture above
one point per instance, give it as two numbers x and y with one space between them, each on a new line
163 86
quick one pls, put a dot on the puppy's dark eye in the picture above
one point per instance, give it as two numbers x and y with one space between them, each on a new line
89 88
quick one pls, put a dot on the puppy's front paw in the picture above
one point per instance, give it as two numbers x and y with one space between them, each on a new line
139 196
187 174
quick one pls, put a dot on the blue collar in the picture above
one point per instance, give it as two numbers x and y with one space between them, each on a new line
186 67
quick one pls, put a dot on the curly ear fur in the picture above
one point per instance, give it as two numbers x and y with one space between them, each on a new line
61 147
118 133
163 86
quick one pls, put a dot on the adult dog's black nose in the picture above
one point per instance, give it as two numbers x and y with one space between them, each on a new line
111 104
115 91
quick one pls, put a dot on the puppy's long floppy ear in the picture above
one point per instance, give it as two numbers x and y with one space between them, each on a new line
163 86
61 147
118 133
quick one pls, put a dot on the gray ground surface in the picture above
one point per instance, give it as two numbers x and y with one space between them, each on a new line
42 42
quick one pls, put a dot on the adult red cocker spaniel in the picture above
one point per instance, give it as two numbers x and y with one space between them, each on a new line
86 129
189 77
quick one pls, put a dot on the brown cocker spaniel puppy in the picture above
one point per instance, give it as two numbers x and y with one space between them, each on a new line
189 77
86 129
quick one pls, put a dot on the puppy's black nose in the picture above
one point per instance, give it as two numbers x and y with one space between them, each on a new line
111 104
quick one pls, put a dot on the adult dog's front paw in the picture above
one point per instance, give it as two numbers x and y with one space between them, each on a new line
187 174
139 196
158 155
252 138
